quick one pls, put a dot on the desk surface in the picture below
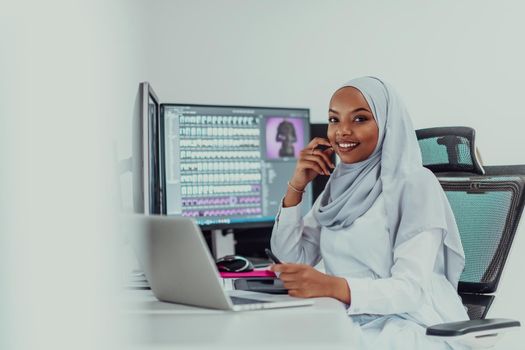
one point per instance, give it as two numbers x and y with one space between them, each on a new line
158 325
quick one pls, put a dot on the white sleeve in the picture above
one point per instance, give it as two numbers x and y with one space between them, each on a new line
296 239
413 266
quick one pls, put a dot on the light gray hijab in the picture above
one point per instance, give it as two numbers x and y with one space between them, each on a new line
414 199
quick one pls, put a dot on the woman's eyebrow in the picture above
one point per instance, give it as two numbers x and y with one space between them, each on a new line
360 109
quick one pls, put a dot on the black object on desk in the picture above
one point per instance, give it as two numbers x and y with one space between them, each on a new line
268 285
234 263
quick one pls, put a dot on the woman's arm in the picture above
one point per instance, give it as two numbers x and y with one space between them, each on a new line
413 265
411 272
304 281
296 239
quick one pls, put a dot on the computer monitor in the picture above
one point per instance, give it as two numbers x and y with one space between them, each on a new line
228 166
146 167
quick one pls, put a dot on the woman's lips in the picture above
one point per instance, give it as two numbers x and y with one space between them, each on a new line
347 146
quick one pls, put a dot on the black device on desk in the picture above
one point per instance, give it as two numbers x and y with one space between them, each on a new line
234 263
268 285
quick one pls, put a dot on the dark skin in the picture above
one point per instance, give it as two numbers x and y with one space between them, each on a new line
353 134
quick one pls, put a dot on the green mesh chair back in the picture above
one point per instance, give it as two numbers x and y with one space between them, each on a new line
449 149
487 203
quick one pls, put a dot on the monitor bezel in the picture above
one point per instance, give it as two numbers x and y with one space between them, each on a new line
235 225
147 168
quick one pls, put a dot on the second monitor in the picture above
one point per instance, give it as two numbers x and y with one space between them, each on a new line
228 166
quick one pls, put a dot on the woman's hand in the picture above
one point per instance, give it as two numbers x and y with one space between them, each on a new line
306 282
312 162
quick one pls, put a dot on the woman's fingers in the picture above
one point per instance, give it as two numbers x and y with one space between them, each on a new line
291 285
316 141
311 165
312 150
313 161
320 162
287 268
325 155
297 293
289 277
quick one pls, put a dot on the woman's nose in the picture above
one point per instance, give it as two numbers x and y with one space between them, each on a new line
344 130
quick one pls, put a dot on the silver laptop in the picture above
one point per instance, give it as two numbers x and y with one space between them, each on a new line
180 269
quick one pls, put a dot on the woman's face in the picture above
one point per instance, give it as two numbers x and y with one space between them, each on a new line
352 129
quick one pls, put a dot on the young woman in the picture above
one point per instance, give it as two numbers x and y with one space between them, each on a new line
383 226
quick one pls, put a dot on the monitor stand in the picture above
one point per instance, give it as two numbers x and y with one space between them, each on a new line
222 243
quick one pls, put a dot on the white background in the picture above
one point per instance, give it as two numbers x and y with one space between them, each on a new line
69 76
454 62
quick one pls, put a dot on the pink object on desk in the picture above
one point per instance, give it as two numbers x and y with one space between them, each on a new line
254 273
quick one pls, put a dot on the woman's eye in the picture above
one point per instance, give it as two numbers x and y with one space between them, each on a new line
332 120
360 119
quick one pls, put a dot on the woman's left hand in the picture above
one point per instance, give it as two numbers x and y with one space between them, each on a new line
304 281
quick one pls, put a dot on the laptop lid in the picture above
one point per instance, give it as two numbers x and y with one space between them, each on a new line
176 261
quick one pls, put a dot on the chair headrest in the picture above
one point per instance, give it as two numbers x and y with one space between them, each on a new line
449 149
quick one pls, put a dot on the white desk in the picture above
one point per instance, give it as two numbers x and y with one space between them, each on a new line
157 325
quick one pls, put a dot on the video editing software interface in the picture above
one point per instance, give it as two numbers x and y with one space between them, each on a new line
230 165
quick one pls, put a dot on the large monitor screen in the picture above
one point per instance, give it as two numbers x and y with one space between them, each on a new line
228 166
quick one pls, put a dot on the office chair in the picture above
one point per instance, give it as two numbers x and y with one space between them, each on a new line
487 202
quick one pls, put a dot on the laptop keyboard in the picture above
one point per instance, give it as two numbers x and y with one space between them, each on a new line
242 301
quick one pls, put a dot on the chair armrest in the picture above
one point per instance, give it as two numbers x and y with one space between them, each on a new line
473 327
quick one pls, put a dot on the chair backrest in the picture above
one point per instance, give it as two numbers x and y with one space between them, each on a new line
449 149
487 202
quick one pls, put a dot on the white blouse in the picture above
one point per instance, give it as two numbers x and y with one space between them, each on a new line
407 281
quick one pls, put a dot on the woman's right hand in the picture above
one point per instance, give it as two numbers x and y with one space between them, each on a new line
312 162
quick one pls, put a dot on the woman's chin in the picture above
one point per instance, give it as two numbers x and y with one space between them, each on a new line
346 158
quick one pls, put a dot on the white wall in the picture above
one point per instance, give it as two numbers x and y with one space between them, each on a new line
69 73
454 62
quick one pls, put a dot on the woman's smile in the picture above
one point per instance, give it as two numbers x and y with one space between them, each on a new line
346 146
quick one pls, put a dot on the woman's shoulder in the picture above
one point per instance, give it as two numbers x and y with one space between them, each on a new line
421 180
421 174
